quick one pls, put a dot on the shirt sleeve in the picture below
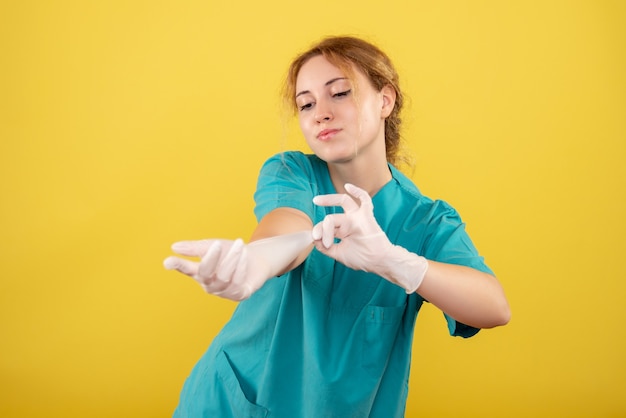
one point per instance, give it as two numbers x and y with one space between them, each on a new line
448 242
285 181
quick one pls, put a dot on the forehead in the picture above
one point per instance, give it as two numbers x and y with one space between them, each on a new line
316 72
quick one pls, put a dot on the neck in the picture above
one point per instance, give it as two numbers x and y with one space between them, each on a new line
369 177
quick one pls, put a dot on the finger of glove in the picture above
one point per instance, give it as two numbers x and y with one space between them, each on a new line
334 251
316 232
237 288
209 265
345 201
190 268
228 265
361 195
192 248
328 231
209 262
338 225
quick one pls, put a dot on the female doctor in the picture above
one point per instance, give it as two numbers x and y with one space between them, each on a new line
345 253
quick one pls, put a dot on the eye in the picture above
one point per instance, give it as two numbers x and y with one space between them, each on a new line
306 106
343 93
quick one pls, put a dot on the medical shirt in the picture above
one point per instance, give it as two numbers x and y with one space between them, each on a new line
323 340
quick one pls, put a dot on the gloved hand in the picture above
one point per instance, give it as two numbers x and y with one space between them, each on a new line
232 269
364 245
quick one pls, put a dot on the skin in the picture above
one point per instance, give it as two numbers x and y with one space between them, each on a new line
354 149
355 152
348 133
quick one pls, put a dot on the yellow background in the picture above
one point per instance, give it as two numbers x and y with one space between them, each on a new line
127 125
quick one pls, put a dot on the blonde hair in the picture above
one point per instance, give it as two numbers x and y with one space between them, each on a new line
347 53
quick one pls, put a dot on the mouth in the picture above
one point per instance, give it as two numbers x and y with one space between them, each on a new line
327 134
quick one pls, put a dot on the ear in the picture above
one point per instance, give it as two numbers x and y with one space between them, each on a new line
389 100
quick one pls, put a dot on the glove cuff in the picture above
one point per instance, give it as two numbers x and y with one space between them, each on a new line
404 268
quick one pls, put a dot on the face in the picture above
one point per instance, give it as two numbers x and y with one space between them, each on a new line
337 126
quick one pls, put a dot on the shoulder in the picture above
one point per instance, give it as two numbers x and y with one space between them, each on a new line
291 160
434 228
422 206
294 169
418 221
288 179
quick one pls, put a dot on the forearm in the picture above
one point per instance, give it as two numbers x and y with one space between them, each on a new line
234 270
281 253
288 252
466 294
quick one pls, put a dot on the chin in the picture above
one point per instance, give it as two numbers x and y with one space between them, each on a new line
336 157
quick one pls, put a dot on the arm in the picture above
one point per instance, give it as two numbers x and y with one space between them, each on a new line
468 295
283 221
234 270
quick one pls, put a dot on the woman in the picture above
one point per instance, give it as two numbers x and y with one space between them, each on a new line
345 252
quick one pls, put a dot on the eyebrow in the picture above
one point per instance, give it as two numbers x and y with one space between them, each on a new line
328 83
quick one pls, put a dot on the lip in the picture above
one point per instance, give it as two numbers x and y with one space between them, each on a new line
327 134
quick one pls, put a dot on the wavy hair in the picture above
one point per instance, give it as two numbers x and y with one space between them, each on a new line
347 53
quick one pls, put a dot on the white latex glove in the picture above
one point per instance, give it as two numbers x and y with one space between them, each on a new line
364 245
232 269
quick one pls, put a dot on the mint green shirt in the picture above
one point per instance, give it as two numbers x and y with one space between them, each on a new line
324 340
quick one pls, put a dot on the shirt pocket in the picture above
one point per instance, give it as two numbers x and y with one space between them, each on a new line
234 396
382 324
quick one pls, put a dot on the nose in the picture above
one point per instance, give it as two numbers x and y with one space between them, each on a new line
323 112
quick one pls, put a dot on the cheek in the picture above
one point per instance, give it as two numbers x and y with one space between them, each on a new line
370 113
301 123
305 126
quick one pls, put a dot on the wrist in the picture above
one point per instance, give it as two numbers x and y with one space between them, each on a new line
404 268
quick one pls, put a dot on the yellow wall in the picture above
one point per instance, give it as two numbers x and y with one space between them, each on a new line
127 125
